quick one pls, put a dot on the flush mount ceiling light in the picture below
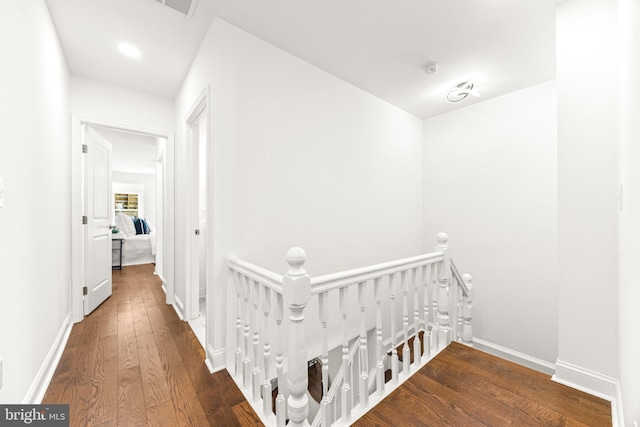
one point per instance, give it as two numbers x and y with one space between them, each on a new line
129 50
461 91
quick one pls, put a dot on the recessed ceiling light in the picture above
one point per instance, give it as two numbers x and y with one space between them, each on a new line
129 50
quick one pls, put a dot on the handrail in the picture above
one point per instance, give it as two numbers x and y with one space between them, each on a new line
261 275
332 281
336 383
458 277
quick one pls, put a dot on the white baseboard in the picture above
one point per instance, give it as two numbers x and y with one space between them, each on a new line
178 306
515 356
43 378
216 359
594 383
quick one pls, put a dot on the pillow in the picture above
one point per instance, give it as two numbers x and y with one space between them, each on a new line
125 224
145 226
137 222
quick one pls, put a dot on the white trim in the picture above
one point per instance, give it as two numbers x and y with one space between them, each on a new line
43 378
593 383
515 356
178 306
215 359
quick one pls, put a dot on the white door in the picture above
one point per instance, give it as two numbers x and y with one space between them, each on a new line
99 214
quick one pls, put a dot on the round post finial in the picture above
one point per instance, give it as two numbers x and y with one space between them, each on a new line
296 257
442 238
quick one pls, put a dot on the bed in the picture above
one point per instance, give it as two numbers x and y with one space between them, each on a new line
136 248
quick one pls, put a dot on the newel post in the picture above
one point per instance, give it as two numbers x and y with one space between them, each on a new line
444 281
467 332
297 291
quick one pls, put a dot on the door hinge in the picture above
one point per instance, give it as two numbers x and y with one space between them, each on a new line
85 148
85 291
85 220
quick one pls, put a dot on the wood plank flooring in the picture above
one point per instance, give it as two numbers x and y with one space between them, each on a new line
466 387
132 362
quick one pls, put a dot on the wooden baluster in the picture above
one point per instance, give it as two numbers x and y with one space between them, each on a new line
406 352
425 306
239 353
325 415
417 350
297 291
394 351
459 307
247 368
266 386
453 308
444 281
281 404
434 302
364 355
346 383
467 332
257 380
380 364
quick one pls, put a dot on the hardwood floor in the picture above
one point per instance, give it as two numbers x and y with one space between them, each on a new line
132 362
466 387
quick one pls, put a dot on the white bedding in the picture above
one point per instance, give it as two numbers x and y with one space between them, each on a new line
136 249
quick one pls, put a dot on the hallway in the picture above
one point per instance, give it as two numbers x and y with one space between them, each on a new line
133 362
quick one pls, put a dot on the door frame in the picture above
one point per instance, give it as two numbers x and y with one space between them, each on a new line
200 110
76 183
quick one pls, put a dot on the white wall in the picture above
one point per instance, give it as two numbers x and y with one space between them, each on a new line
119 105
588 184
629 296
34 222
490 183
148 184
300 158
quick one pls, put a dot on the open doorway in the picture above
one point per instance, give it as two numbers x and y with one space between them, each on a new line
136 188
197 254
136 197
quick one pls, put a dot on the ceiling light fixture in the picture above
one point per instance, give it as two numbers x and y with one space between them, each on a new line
129 50
430 68
461 91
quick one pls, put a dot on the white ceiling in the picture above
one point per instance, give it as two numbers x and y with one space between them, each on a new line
377 45
132 152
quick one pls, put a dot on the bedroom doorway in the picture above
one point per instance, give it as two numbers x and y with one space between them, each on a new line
145 199
197 125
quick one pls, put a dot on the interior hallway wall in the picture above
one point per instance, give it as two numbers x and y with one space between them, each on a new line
629 293
34 221
490 182
300 158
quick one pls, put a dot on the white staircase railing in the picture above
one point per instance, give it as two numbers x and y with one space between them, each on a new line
424 294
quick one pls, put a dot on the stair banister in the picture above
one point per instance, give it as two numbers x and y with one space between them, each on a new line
443 313
297 291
